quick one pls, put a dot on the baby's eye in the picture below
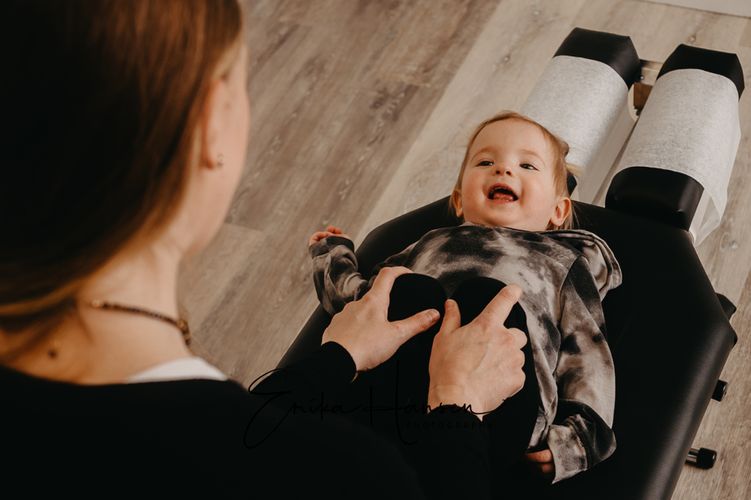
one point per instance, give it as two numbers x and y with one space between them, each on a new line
529 165
491 161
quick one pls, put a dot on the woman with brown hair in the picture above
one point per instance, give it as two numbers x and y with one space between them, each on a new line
129 124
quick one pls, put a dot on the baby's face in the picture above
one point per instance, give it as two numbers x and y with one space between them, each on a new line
515 153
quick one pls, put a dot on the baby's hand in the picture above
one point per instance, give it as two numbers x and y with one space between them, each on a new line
330 231
542 462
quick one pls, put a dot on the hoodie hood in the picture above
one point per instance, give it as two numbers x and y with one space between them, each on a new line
600 258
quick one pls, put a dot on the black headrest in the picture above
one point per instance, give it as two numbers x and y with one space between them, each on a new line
570 182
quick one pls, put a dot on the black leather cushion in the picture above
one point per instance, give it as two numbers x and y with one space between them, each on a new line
714 61
667 331
617 51
664 195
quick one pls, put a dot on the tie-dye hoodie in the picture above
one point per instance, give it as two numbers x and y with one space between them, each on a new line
564 275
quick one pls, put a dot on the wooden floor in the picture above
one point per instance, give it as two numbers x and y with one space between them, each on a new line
360 111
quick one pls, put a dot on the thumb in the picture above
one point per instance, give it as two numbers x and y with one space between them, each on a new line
416 323
451 318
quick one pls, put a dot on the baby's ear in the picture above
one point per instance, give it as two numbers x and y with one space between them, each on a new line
561 211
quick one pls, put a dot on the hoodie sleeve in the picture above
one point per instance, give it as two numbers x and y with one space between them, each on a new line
398 259
335 272
335 275
581 434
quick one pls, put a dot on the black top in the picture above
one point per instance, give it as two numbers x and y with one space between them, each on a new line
218 439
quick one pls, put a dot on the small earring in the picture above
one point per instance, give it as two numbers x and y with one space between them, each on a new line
220 162
53 351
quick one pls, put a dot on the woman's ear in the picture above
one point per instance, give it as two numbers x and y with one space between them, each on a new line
213 122
561 210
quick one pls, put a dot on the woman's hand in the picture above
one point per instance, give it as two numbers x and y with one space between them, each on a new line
363 329
480 363
542 462
330 231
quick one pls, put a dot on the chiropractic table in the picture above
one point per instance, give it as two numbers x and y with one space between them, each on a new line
662 137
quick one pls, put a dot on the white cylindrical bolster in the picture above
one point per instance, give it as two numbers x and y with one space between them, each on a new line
690 125
577 99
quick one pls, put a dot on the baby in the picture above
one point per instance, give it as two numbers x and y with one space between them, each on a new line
513 198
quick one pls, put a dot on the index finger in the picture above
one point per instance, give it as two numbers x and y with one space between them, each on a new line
500 306
385 280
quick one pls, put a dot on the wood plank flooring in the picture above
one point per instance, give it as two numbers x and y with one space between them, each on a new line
360 111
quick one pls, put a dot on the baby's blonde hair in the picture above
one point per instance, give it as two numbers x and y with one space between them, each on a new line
561 168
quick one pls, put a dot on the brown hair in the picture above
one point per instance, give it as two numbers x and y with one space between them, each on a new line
561 168
105 100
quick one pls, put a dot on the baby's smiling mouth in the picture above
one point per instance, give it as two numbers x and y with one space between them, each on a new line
500 191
